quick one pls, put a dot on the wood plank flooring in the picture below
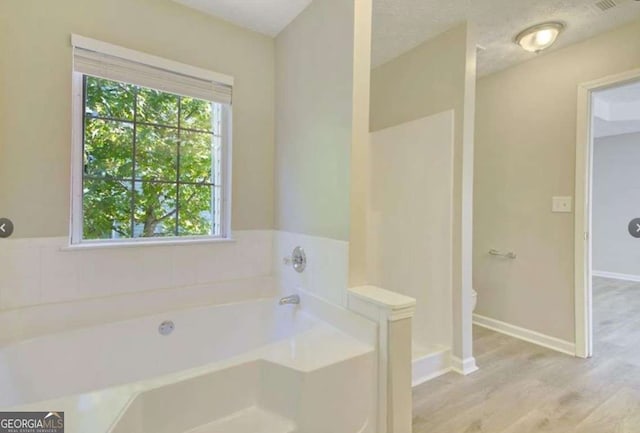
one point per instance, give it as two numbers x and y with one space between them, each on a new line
524 388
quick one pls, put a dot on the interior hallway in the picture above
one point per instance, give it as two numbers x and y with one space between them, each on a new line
523 388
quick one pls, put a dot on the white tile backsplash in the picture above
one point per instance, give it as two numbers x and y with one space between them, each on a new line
20 269
62 270
327 272
46 287
43 271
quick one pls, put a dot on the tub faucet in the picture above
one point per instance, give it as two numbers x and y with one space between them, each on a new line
293 299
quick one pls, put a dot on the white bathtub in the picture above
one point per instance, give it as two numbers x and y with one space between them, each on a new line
224 368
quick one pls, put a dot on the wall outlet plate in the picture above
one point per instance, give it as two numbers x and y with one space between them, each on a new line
562 204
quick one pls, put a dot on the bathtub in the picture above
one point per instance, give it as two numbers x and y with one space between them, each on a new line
225 368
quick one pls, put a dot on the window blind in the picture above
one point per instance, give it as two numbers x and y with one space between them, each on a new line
115 68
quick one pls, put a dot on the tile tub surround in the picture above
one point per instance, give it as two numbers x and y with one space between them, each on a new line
42 270
327 272
45 287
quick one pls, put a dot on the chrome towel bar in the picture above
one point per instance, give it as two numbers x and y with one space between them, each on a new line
508 255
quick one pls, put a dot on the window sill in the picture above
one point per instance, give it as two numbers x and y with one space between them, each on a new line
145 243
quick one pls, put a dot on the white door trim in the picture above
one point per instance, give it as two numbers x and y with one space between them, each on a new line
582 255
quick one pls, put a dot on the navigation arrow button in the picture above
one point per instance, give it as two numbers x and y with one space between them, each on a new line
6 227
634 228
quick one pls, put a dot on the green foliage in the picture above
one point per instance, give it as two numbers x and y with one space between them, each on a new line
140 147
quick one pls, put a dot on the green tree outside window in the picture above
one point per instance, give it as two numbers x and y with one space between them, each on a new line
151 163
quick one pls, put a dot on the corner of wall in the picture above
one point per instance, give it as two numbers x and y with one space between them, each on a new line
360 145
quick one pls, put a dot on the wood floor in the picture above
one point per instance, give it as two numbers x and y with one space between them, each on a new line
522 388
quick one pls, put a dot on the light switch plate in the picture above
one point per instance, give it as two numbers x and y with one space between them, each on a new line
562 204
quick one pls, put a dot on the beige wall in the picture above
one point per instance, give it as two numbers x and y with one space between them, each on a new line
314 108
35 98
436 76
426 80
525 154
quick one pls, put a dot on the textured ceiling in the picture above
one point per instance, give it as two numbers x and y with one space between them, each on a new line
399 25
264 16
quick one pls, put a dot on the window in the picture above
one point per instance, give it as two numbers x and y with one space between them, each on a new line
151 163
153 147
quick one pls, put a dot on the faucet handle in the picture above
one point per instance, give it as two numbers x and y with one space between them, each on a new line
298 259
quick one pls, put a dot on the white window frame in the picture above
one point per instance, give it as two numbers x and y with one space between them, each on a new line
77 219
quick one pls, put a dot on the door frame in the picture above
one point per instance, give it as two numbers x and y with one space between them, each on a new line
583 191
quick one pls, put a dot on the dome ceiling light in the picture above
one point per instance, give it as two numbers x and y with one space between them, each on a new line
539 37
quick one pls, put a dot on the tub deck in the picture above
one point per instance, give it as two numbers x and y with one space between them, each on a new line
307 347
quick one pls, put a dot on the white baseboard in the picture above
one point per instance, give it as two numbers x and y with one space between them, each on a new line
616 276
430 366
528 335
464 366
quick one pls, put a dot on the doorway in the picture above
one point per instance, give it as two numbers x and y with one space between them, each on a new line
607 267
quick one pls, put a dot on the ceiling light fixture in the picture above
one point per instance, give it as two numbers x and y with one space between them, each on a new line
539 37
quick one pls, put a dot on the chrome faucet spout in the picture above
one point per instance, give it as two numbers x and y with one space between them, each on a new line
293 299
